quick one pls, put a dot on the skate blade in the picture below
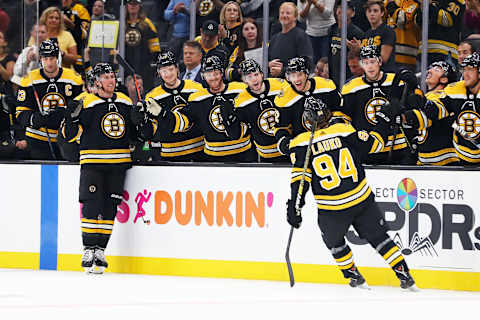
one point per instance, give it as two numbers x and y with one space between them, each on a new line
364 286
94 270
412 288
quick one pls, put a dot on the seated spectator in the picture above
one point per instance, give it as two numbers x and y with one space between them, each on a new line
178 14
192 58
230 26
98 11
321 68
354 66
289 43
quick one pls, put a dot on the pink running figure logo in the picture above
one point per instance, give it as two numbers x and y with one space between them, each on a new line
140 199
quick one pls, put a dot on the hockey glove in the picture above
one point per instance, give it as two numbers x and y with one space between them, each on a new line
38 120
138 116
407 76
294 217
73 110
283 145
155 109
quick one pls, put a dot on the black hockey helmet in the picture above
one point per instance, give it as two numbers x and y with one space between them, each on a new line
166 59
249 66
212 62
316 111
472 60
48 48
298 64
90 78
102 68
448 70
370 51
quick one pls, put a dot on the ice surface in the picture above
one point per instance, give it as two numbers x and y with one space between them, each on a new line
26 294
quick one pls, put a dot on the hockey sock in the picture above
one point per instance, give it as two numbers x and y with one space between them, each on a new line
344 258
392 255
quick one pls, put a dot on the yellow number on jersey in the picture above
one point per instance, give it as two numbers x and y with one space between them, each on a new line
453 7
325 168
21 95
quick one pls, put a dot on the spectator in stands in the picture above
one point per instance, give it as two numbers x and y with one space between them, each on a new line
289 43
4 21
360 17
207 10
192 58
335 40
209 41
141 42
178 14
52 17
98 11
465 48
230 27
77 21
7 62
354 66
472 15
318 16
379 34
444 27
400 16
132 89
321 68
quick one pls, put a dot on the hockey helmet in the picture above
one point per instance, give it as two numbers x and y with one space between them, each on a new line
48 48
102 68
316 111
249 66
472 60
166 59
448 70
370 51
298 64
211 63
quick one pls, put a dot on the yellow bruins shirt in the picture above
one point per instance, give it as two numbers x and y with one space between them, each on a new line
204 108
174 143
458 102
334 169
104 129
434 140
290 103
53 96
259 111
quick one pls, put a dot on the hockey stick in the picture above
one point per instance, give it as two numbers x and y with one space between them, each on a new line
297 203
403 99
127 66
35 93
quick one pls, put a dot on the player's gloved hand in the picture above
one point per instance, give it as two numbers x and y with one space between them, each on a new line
390 113
38 120
408 76
155 109
294 217
283 145
74 108
138 115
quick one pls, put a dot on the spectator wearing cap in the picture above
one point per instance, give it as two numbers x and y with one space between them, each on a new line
178 14
141 42
335 40
318 17
209 41
207 10
290 42
192 59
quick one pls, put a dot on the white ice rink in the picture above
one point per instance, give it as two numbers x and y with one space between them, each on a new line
36 295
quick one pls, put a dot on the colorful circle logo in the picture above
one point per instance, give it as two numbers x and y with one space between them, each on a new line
407 194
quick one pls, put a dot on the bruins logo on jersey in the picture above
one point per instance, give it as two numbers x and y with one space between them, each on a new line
133 37
267 120
470 122
179 103
372 107
52 101
216 120
113 125
205 7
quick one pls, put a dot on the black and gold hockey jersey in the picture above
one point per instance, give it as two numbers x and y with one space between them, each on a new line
204 108
434 140
290 102
175 145
458 102
362 99
259 111
334 170
104 129
53 95
444 26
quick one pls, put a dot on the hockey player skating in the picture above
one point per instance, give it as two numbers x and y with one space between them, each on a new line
341 191
170 97
41 101
254 106
293 97
102 123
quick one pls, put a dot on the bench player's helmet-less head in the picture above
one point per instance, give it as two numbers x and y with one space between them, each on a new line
166 59
316 111
48 48
211 63
249 66
298 64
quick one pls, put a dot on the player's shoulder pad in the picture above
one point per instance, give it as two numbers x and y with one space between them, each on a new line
235 87
323 85
70 76
157 93
354 85
456 90
91 100
200 95
82 95
123 98
287 96
276 85
191 86
34 76
244 99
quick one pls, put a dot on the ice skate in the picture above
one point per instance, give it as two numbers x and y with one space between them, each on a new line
356 279
87 260
406 280
99 261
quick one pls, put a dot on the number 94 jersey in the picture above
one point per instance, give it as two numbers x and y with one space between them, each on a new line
334 169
